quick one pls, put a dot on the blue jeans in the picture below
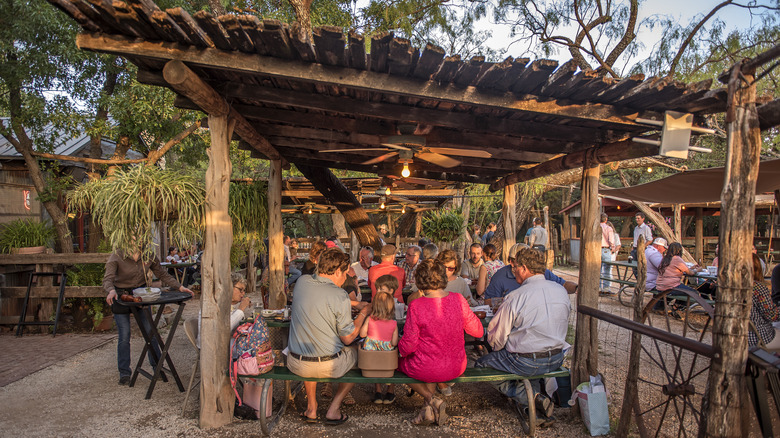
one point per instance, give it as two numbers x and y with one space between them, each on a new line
606 270
123 343
503 360
295 273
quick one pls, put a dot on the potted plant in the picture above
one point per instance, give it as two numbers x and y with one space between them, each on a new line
443 226
26 236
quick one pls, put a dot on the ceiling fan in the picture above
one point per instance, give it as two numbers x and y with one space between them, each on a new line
408 146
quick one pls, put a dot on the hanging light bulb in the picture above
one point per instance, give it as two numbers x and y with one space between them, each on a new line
387 191
383 205
403 209
309 209
618 207
649 170
405 172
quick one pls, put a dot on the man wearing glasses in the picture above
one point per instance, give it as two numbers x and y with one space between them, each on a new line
504 280
411 262
528 332
364 263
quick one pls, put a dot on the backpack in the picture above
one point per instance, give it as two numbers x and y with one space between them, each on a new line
250 351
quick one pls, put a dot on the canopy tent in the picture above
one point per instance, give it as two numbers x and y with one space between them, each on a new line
695 186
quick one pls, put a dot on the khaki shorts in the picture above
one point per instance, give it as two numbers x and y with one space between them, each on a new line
334 368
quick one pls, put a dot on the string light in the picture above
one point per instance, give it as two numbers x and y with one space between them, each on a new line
403 209
649 170
387 191
382 206
309 209
405 172
618 207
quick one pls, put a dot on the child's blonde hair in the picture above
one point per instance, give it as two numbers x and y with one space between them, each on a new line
383 306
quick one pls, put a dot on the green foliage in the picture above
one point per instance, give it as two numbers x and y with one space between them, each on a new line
23 233
127 203
98 308
248 208
443 225
86 274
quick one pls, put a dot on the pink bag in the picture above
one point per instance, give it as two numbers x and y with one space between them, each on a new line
247 364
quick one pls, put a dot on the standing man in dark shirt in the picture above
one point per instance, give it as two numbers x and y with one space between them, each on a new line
123 274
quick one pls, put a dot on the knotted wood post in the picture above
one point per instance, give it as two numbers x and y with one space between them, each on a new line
509 218
276 297
586 348
216 395
725 386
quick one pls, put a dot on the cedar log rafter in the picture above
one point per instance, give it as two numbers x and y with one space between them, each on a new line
353 78
600 155
187 83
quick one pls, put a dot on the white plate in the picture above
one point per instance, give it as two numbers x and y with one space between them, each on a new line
146 291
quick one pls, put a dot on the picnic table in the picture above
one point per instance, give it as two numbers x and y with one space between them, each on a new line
625 278
137 309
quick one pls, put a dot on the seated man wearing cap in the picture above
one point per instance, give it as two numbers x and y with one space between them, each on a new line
654 253
321 329
386 267
528 332
504 280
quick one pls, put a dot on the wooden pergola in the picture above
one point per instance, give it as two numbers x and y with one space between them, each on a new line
292 98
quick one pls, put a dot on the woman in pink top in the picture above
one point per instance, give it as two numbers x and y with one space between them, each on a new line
432 346
671 270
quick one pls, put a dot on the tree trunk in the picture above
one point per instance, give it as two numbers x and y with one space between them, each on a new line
677 209
216 395
509 219
302 10
722 405
277 299
586 352
339 226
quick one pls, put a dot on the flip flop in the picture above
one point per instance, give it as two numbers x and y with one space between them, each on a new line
336 422
309 419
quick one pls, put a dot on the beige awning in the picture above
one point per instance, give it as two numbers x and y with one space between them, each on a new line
695 186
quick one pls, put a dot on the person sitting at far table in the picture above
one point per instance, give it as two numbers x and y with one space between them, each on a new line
671 271
504 280
764 311
321 331
528 332
387 267
314 254
489 268
455 283
472 265
410 263
364 263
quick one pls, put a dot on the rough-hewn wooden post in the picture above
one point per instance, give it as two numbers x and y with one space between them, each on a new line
276 297
216 395
630 395
722 405
586 341
699 251
417 224
677 209
251 271
509 218
548 244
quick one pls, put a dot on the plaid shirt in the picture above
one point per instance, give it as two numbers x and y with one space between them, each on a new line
763 314
409 271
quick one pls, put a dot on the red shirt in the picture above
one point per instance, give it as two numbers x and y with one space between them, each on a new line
387 268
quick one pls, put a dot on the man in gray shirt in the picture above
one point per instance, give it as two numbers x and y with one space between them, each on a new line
538 238
528 332
472 264
321 329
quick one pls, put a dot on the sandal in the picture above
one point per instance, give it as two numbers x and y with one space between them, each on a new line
439 407
309 419
326 391
349 400
336 421
426 416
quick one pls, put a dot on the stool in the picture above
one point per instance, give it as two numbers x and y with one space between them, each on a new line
22 322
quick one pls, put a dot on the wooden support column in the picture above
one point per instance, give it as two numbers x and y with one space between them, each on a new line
509 219
342 198
251 271
548 245
677 210
276 299
216 394
721 413
586 341
699 251
417 225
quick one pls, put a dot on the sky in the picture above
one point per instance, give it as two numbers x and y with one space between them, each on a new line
681 10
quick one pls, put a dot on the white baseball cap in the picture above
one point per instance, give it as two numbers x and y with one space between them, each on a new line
660 241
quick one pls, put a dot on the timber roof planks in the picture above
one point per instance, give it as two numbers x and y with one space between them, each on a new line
307 96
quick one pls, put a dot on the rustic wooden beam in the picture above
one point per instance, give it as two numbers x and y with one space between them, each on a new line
722 408
396 192
346 202
358 79
277 298
619 151
53 259
699 251
216 395
508 215
53 292
586 340
187 83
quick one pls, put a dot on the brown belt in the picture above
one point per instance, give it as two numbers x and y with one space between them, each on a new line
541 354
315 358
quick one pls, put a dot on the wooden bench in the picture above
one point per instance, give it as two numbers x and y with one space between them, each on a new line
471 375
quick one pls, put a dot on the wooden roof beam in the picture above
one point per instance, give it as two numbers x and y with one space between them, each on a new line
396 192
187 83
619 151
364 80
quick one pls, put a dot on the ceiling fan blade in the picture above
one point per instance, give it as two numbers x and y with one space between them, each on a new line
380 158
396 146
354 150
461 152
438 159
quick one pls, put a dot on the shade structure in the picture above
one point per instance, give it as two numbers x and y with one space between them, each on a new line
695 186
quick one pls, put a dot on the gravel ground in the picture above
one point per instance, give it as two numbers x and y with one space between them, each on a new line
80 397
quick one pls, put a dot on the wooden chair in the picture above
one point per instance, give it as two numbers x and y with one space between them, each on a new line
191 329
